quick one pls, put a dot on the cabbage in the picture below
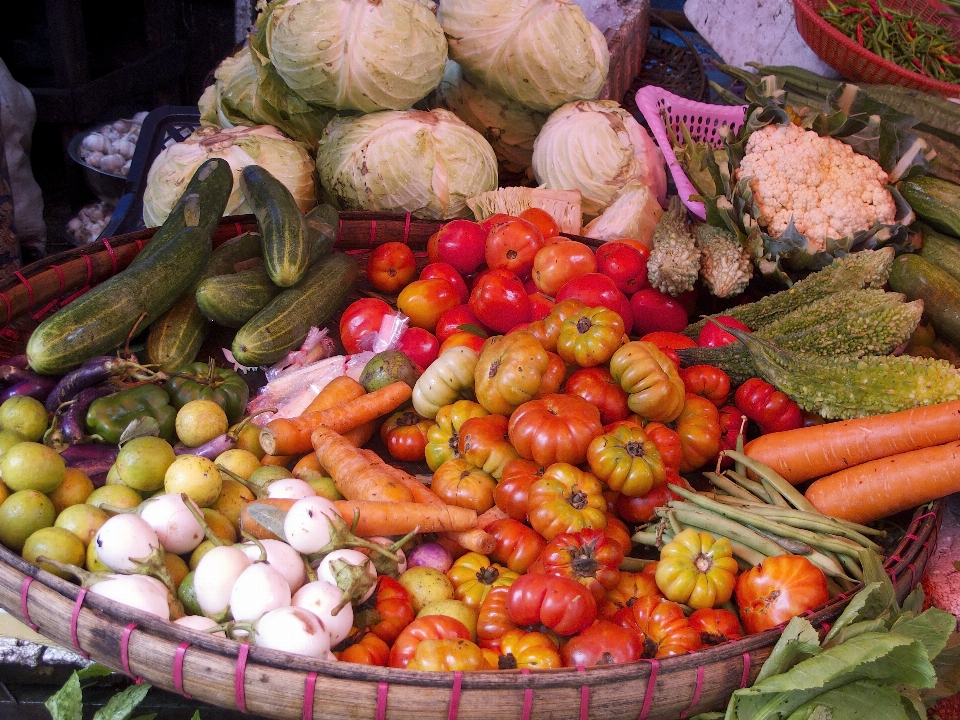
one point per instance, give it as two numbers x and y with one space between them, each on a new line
633 214
509 126
236 82
263 145
597 148
542 53
410 161
356 54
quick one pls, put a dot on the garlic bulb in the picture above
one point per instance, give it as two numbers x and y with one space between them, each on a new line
111 147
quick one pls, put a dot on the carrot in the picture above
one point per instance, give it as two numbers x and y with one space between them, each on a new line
353 474
309 462
251 526
286 436
336 392
810 452
278 460
490 516
360 435
886 486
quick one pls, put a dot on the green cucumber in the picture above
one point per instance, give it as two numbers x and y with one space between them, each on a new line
232 299
920 279
176 336
286 251
935 201
202 204
102 319
942 250
284 323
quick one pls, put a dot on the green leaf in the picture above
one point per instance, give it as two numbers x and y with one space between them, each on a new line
474 330
93 671
269 516
873 572
912 704
913 603
122 705
931 627
798 641
854 701
67 702
947 665
852 630
196 715
148 716
868 604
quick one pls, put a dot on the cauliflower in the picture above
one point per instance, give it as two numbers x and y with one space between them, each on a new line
827 189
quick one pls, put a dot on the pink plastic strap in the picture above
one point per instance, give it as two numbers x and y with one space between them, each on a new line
745 678
63 282
842 596
382 690
113 255
913 574
238 228
238 690
125 652
6 301
696 693
826 627
89 262
24 592
457 684
309 687
929 513
73 622
584 696
20 276
527 694
178 656
895 558
406 230
373 233
911 536
651 687
140 243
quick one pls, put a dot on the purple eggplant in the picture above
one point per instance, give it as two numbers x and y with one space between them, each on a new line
37 387
17 361
96 470
11 375
68 427
93 372
210 449
76 455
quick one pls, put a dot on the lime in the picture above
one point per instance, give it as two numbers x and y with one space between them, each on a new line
142 462
199 421
9 438
220 524
22 514
82 520
176 566
249 439
57 544
263 476
74 490
118 496
232 499
196 476
94 563
240 462
25 415
32 466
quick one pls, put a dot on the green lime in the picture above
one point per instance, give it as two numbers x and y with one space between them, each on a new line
196 476
32 466
9 438
187 595
118 496
142 462
82 520
199 421
22 514
263 476
57 544
25 415
94 563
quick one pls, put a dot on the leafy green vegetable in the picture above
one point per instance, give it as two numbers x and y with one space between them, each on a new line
67 702
122 705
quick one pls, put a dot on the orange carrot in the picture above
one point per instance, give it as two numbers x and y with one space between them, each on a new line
490 516
810 452
353 474
251 526
278 460
309 462
286 436
883 487
360 435
336 392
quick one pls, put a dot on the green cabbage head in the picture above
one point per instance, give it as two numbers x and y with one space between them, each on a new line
542 53
408 161
263 145
362 55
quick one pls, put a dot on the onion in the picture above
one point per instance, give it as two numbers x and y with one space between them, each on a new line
430 554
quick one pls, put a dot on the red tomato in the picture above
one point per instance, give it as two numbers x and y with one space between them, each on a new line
635 510
453 320
540 305
512 245
405 435
428 627
361 317
499 300
462 337
530 286
640 245
779 589
512 494
654 310
561 604
768 407
449 273
391 266
419 345
495 219
669 343
712 335
626 313
543 220
393 606
518 545
423 301
555 265
603 643
460 243
625 264
597 386
554 240
594 289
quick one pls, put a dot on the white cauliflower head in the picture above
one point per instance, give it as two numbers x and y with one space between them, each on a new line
821 183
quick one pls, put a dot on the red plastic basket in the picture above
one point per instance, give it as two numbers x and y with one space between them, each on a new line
856 63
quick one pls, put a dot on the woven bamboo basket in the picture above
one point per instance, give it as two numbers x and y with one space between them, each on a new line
286 686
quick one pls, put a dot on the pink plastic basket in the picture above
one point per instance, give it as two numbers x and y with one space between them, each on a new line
703 120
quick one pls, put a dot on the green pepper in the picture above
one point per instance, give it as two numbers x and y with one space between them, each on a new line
109 416
203 381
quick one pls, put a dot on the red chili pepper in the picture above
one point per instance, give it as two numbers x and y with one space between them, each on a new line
874 7
860 33
910 33
853 11
917 64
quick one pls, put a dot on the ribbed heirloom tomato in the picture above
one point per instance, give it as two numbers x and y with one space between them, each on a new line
555 428
590 557
597 386
428 627
778 589
561 604
603 643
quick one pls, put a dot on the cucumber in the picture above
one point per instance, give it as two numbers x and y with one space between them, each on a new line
935 201
920 279
286 251
230 300
201 204
97 322
284 323
322 227
176 336
942 250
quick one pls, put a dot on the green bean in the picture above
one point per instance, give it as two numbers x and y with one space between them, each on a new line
645 537
821 523
792 546
852 566
674 524
749 485
775 497
717 525
829 565
789 492
731 487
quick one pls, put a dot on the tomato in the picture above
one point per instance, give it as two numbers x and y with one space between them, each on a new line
640 245
540 305
626 312
779 589
423 301
697 569
513 491
597 386
447 655
447 272
698 426
387 612
464 338
493 622
561 604
419 345
521 649
641 509
590 337
662 625
555 428
483 442
603 643
391 266
459 318
654 310
617 530
547 331
510 371
732 422
555 265
488 223
368 649
566 499
707 381
712 335
769 408
668 443
405 435
518 546
359 318
499 300
461 483
591 557
512 245
594 289
473 576
444 436
655 390
428 627
625 264
716 625
461 243
669 343
630 587
627 460
543 221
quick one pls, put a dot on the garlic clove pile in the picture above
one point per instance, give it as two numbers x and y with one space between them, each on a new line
111 147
